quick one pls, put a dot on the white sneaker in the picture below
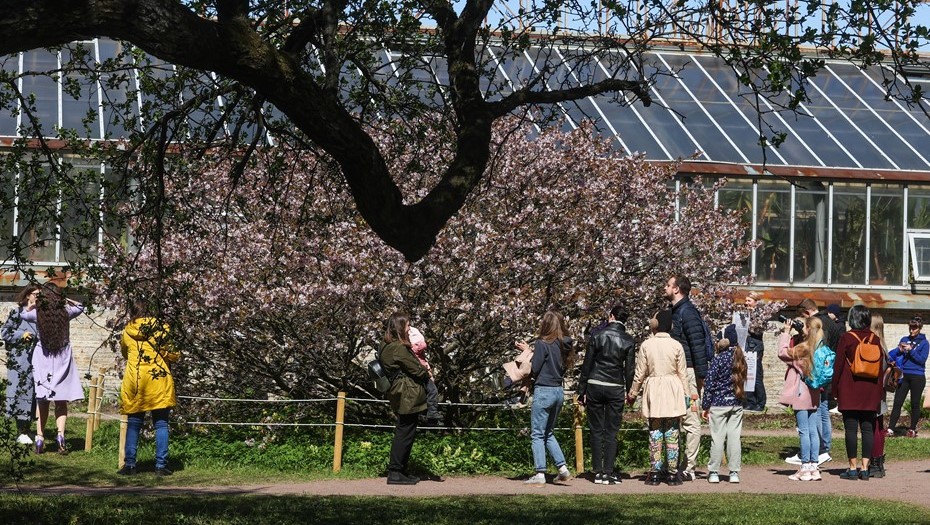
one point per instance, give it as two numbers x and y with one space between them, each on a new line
564 474
713 477
815 474
734 477
808 474
23 439
537 479
794 460
823 458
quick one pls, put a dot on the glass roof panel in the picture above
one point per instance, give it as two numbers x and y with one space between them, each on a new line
791 150
42 87
744 136
867 84
858 112
806 128
709 138
624 120
845 133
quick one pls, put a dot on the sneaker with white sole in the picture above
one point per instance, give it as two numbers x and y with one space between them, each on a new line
687 475
794 460
808 474
734 477
23 439
537 479
824 458
564 474
599 478
610 479
815 474
713 477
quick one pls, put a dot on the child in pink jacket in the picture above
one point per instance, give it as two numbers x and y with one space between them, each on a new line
418 345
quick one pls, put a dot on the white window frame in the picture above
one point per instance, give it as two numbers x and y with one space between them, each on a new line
912 236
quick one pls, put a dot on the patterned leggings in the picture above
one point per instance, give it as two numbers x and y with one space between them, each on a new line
663 431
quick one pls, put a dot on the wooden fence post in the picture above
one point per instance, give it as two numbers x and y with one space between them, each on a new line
101 380
123 426
340 419
91 414
579 438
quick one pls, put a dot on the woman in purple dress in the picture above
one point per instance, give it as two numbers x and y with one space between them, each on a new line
54 372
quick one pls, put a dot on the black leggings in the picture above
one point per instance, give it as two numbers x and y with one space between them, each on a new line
854 420
913 384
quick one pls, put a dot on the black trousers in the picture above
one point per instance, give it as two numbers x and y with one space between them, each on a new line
605 410
854 421
404 433
913 384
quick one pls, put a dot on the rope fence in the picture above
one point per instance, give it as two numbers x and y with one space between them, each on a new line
97 391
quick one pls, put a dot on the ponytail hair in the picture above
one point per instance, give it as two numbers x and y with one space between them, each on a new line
738 375
738 372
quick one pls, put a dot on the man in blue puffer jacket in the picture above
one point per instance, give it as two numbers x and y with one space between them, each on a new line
688 329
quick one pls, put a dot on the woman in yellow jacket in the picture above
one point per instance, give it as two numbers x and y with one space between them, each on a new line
147 385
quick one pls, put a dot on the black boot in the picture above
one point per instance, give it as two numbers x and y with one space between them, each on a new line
877 467
653 478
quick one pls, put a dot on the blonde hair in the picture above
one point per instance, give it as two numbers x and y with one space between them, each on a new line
878 328
739 370
804 351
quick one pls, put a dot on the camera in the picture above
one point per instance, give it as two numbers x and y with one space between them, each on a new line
797 325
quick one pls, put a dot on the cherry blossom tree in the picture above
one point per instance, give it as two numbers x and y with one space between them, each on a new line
277 286
318 72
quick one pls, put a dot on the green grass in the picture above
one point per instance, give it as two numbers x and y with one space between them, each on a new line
557 510
220 457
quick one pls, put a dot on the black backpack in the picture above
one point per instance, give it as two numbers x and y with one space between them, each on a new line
376 373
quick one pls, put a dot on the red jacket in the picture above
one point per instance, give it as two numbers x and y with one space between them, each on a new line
853 393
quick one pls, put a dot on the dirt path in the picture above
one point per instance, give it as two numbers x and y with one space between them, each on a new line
905 482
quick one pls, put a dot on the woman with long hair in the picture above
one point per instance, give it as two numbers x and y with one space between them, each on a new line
20 338
54 372
877 463
407 394
724 390
553 353
857 397
911 354
801 397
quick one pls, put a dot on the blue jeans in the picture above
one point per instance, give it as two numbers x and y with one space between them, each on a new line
547 403
809 430
134 426
826 426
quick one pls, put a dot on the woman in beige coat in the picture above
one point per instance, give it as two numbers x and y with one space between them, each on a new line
661 378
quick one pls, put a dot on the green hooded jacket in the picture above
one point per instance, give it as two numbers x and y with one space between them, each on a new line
407 394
